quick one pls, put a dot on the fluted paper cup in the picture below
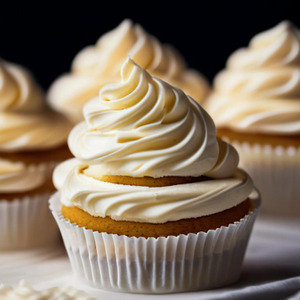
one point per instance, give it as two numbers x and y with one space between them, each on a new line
26 222
156 265
275 171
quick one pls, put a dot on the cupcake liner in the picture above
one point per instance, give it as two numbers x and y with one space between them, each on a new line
275 171
26 222
156 265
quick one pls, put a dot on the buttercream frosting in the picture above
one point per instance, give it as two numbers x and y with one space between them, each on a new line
25 291
26 124
97 65
16 177
144 127
150 204
259 91
25 121
140 127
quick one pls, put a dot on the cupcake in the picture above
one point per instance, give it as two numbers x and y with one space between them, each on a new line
32 141
97 65
153 201
256 106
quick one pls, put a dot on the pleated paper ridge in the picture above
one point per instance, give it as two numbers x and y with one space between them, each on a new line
26 223
155 265
275 171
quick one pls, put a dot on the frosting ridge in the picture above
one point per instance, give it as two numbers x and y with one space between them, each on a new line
94 66
25 122
16 177
148 127
259 91
149 204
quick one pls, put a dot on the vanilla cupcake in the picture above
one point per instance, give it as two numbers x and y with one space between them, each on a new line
99 64
153 201
256 106
32 141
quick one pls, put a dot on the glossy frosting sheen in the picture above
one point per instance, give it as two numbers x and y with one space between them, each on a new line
25 124
141 127
97 65
259 91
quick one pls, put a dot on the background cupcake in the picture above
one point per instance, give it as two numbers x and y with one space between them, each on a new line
32 141
153 201
256 106
97 65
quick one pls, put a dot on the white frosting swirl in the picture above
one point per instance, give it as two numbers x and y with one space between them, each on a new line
149 204
259 91
25 121
26 124
97 65
145 127
18 91
16 177
24 291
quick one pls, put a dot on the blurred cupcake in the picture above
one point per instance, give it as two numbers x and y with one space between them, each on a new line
256 106
32 141
153 201
97 65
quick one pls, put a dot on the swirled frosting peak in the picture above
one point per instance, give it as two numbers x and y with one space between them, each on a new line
25 121
97 65
259 91
144 127
18 91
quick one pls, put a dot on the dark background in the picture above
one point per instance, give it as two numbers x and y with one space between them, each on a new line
46 36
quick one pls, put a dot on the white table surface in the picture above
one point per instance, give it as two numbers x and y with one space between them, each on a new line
271 267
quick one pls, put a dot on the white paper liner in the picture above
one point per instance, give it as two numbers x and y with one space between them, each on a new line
26 223
156 265
275 171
